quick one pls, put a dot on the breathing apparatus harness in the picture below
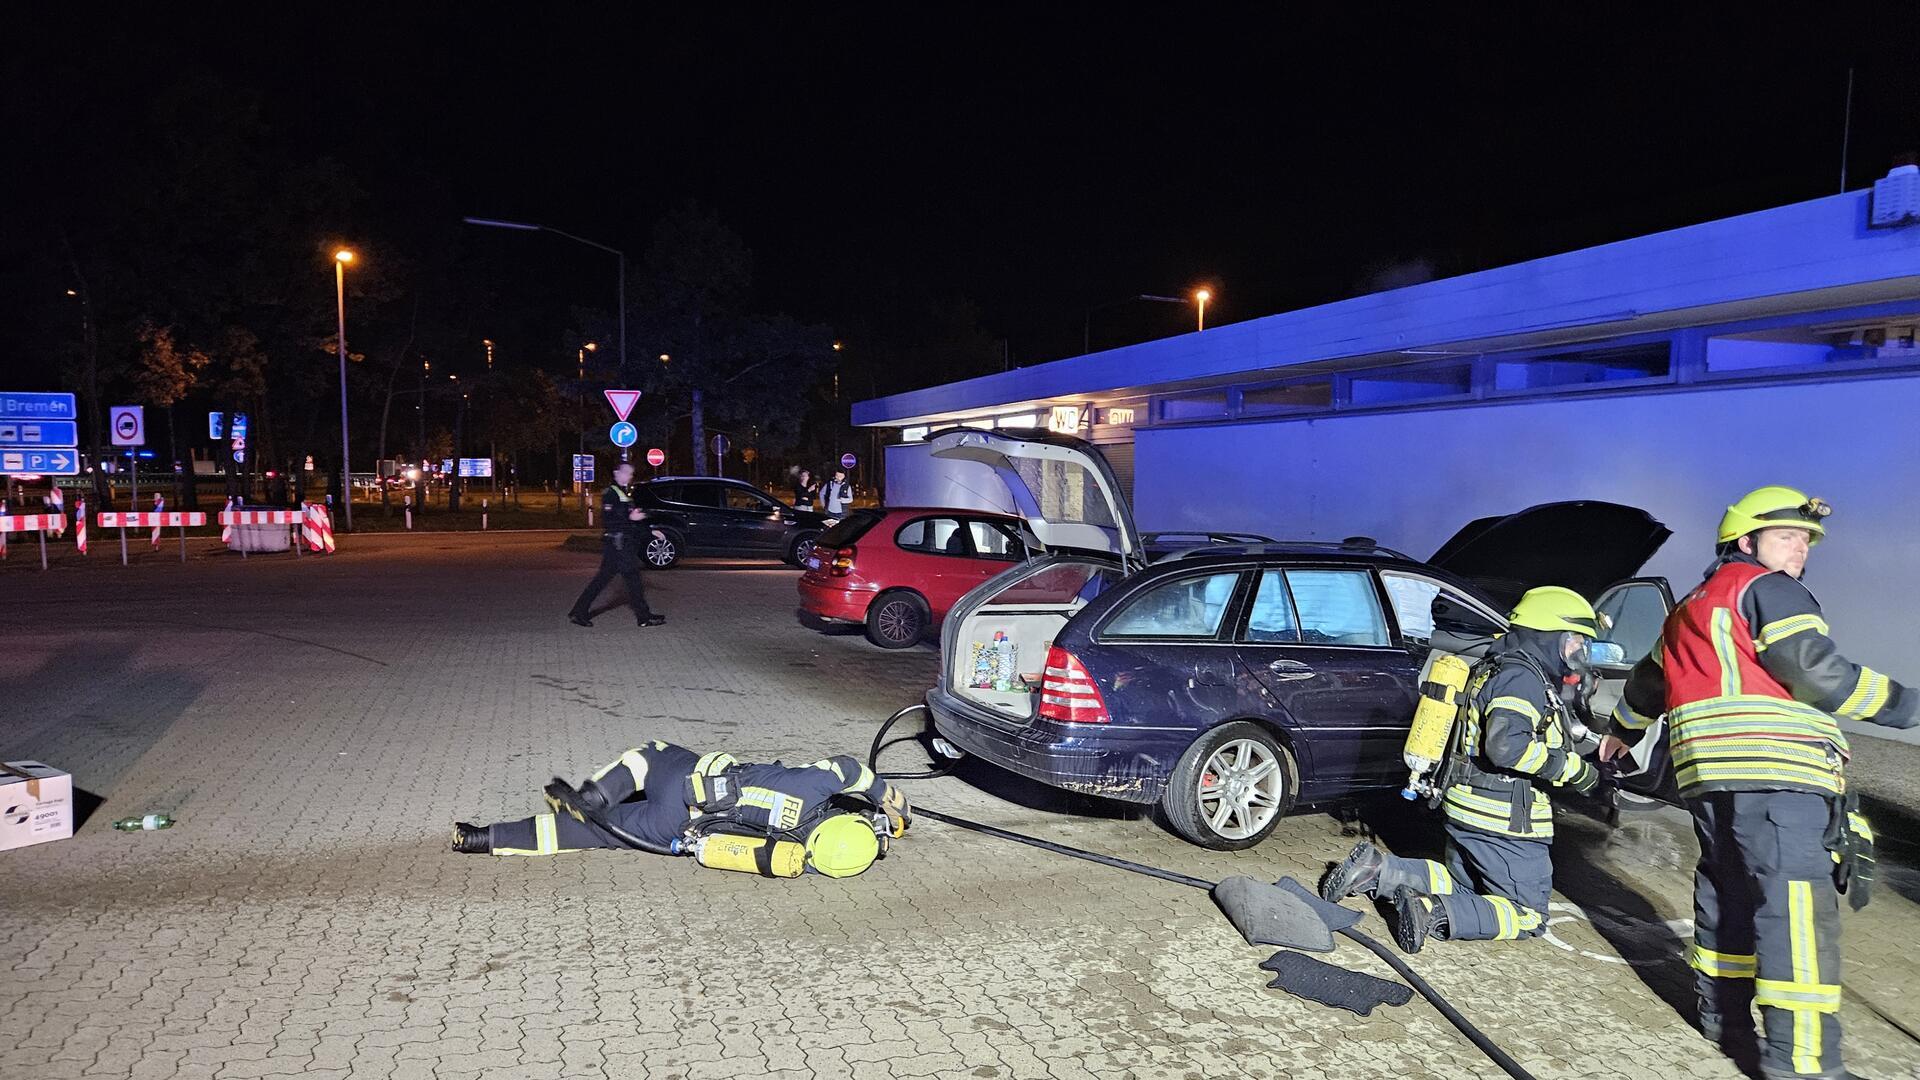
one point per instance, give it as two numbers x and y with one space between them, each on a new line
1458 767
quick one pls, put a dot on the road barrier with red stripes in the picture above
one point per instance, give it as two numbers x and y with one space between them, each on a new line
165 519
289 519
34 523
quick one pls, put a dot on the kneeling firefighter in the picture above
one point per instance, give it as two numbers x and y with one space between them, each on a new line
1753 689
1511 735
769 819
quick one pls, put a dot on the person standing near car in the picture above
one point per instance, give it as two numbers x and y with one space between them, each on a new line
623 532
839 494
1753 689
805 490
1498 876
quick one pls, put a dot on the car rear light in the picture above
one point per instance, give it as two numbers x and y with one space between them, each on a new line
1068 693
842 564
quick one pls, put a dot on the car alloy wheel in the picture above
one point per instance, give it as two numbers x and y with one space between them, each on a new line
801 550
1240 789
661 551
896 622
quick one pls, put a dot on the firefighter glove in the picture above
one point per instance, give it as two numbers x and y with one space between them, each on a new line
899 813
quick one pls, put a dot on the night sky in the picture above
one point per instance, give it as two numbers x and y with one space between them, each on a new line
1036 161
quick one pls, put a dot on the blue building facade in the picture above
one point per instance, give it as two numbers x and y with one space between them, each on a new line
1673 371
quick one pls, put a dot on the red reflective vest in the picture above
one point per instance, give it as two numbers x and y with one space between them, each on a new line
1734 727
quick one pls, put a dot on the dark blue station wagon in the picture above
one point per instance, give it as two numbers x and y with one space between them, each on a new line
1227 683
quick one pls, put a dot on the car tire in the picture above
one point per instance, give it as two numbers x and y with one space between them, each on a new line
897 620
1230 789
662 549
802 547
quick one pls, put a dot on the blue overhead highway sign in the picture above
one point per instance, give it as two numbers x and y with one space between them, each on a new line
35 434
28 406
64 461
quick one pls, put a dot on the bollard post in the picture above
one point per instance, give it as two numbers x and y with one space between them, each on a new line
123 542
483 514
183 539
409 513
43 545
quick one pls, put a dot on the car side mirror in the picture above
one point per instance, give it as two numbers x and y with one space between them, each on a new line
1607 654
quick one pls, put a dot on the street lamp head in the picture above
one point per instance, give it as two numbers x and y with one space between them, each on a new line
592 346
70 292
664 358
1203 295
343 256
837 346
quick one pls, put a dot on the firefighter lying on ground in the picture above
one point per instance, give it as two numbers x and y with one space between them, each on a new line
833 817
1753 688
1514 737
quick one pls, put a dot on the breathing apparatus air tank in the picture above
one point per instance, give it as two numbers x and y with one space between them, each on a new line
751 855
1443 686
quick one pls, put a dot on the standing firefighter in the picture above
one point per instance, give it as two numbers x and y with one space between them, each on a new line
833 817
1752 685
1514 737
623 534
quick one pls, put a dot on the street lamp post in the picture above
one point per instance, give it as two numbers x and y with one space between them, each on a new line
340 260
620 297
493 447
1200 297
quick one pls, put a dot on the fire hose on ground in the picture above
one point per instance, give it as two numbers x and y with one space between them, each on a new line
1279 906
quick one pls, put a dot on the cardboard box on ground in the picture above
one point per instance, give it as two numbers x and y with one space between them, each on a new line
36 804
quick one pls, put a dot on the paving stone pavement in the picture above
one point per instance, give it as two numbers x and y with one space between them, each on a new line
317 724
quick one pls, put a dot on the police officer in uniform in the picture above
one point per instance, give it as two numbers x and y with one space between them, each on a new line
624 532
1752 687
669 797
1514 739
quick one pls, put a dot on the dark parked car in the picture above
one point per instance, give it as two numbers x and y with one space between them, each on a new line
705 515
1231 682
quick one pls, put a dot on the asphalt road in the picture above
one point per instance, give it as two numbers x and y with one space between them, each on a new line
317 724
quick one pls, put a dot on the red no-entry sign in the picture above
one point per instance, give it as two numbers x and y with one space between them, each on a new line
656 457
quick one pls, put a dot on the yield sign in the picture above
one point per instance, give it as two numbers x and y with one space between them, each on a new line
622 401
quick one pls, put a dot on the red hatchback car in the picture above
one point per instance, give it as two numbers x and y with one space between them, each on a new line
898 569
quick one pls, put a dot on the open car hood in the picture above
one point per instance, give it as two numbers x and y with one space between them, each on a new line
1060 485
1585 546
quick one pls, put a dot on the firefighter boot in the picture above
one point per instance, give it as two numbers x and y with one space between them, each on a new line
472 839
1358 873
1416 918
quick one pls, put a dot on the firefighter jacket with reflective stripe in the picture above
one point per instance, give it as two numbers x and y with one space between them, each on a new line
1752 687
1513 737
745 797
778 799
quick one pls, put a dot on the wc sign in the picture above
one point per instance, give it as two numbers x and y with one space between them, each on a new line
1064 419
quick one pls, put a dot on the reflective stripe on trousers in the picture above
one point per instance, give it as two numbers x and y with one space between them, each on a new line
1767 923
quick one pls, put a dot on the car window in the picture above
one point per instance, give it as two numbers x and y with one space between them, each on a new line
1637 610
691 494
1271 620
1337 607
1186 607
934 536
850 528
745 499
992 540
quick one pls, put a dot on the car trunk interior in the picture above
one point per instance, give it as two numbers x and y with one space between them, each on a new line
997 651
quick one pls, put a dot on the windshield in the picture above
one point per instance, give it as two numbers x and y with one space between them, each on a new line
849 529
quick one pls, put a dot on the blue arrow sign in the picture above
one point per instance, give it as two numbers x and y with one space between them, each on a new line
57 462
18 406
623 434
34 434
